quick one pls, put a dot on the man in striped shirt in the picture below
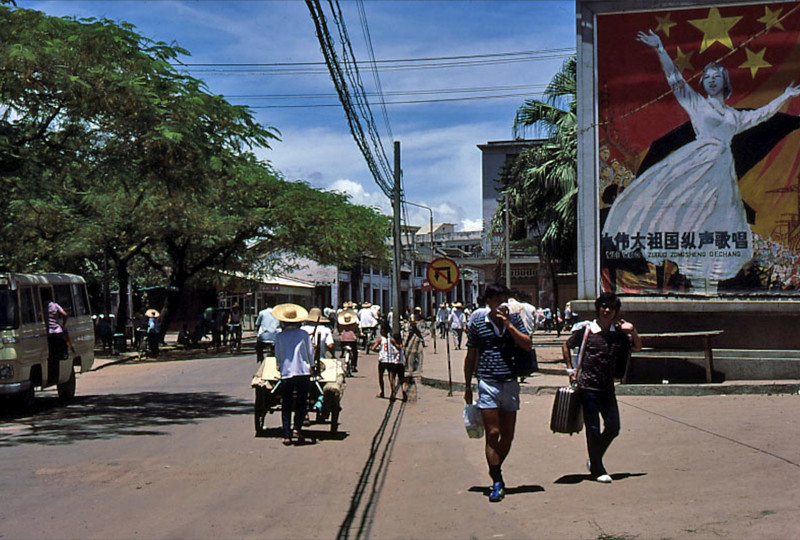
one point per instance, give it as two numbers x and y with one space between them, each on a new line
491 332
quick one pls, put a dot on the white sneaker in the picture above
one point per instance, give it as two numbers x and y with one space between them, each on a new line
604 479
589 465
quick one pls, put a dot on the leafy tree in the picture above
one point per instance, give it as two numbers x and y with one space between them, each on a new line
107 150
540 187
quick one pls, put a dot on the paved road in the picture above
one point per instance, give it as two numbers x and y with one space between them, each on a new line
167 450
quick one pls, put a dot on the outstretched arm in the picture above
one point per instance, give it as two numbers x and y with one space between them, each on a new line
651 39
748 119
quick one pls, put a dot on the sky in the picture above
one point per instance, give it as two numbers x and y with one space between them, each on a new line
437 111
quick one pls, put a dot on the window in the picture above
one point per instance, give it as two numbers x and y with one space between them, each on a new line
81 302
8 308
27 309
63 297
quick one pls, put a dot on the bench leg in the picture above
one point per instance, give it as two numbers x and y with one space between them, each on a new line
709 359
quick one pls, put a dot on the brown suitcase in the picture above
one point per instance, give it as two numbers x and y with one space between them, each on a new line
567 416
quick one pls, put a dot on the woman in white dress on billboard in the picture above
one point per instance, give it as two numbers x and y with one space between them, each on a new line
694 189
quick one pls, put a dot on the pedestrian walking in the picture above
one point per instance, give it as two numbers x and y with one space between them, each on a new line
608 343
457 322
490 359
295 356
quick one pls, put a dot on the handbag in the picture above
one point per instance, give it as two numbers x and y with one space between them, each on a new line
567 414
523 362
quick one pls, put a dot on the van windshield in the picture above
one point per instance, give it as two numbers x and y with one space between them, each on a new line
8 308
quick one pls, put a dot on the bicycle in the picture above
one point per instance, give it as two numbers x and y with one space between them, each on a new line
347 361
144 343
368 335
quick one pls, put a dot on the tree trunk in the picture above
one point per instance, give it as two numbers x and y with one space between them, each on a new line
124 279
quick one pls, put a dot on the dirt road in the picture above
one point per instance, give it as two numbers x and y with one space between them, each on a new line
167 450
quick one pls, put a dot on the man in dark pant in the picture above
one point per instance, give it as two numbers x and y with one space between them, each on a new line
606 344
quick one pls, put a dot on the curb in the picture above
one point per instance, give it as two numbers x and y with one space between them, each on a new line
652 389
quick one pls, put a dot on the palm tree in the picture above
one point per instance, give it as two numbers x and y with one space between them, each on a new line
540 187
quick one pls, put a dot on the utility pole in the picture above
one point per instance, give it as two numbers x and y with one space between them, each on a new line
396 204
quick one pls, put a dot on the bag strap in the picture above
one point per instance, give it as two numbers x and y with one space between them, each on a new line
581 350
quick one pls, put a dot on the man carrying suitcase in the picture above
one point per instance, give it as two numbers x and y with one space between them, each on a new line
489 333
609 342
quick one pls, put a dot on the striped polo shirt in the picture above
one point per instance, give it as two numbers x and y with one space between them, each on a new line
482 335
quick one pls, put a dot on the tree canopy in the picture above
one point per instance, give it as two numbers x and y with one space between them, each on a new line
108 150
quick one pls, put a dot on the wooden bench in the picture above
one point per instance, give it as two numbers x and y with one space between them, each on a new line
705 335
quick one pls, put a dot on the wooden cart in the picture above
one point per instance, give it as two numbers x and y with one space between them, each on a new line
324 396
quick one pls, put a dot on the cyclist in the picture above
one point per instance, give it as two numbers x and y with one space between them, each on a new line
367 323
268 327
349 334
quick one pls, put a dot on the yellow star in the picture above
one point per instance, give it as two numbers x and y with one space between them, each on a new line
683 61
715 29
755 61
771 19
664 24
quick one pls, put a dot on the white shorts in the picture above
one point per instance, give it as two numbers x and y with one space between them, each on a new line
498 395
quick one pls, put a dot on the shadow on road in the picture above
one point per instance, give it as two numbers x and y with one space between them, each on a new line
578 478
112 415
311 435
512 490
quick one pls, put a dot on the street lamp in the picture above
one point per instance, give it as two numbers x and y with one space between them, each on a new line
411 286
431 224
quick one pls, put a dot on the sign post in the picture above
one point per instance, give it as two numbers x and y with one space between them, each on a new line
443 275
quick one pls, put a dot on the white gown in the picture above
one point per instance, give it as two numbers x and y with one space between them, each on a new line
694 189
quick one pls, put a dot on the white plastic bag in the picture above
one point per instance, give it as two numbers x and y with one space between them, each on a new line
473 421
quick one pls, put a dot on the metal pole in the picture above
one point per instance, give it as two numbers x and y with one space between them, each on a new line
508 247
397 242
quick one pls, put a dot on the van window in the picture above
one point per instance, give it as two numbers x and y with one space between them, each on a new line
64 298
8 308
81 302
27 309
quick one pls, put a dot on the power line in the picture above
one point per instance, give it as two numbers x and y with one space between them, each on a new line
378 88
541 53
352 96
250 69
400 93
406 102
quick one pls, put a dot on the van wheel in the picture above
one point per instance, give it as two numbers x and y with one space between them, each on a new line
66 390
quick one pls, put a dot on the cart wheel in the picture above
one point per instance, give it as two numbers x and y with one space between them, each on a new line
260 409
335 418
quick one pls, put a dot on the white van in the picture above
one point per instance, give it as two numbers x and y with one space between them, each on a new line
25 364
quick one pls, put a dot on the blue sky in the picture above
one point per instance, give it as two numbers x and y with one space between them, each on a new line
440 160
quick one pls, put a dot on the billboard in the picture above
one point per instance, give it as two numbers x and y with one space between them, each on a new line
698 133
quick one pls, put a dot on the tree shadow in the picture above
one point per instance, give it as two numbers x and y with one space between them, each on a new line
578 478
513 490
112 415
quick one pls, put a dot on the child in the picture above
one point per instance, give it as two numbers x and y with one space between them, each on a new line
390 358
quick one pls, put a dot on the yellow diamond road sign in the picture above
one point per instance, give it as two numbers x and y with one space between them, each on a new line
443 274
